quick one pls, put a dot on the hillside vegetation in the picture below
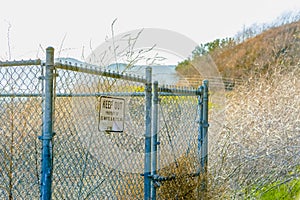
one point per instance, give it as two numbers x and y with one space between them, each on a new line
261 54
256 152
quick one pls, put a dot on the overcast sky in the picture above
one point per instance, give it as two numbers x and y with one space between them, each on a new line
37 23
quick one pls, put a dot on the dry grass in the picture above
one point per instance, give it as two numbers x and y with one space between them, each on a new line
260 140
275 47
184 184
258 145
20 147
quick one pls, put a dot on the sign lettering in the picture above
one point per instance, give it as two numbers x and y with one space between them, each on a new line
111 114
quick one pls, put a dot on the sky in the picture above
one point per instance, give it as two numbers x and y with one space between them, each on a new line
77 27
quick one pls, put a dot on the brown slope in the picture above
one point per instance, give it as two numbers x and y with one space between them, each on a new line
262 54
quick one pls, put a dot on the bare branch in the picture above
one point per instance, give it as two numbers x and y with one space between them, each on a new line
61 44
8 39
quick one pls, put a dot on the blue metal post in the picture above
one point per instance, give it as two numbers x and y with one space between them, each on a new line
46 171
205 126
154 140
204 137
200 140
200 128
147 163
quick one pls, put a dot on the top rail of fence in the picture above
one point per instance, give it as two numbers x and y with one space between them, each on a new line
170 90
95 71
164 90
20 63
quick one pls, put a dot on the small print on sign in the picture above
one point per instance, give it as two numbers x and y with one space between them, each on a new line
111 114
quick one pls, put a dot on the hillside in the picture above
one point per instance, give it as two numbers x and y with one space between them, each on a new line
264 53
275 47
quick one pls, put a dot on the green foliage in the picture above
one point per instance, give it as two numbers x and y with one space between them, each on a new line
210 47
183 64
214 48
287 191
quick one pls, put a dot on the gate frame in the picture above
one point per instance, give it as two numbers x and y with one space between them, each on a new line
151 93
47 134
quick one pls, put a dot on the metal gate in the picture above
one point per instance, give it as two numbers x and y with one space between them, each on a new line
59 142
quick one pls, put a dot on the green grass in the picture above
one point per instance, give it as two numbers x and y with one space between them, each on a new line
286 191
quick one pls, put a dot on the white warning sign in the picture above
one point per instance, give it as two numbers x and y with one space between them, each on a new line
111 114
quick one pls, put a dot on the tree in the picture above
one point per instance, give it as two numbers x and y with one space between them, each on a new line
210 47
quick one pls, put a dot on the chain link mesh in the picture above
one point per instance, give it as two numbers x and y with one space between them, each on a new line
178 161
89 163
20 126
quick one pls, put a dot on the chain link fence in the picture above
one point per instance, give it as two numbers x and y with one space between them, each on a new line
90 163
20 126
152 148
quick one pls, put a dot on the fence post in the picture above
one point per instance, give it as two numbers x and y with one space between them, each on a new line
147 162
200 128
205 125
204 137
200 138
46 171
154 139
